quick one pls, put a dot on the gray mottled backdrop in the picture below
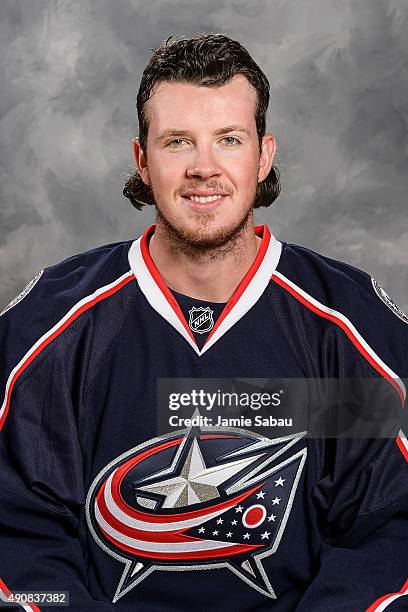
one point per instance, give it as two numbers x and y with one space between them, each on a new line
339 109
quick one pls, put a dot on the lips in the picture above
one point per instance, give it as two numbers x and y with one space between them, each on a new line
204 199
203 192
204 202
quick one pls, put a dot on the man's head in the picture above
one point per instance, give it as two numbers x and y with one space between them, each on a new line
202 106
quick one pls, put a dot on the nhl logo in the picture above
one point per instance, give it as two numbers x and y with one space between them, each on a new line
201 319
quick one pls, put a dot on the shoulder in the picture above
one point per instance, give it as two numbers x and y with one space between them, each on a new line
337 285
58 287
58 299
327 280
348 298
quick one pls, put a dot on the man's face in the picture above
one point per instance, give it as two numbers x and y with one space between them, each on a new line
202 143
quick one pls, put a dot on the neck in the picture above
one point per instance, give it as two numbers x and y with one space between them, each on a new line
212 273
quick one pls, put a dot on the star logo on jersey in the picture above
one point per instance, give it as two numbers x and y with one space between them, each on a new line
202 498
201 319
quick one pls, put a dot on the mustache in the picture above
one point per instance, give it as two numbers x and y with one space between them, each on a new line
214 186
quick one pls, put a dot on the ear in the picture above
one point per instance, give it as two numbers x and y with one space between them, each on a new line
140 161
266 157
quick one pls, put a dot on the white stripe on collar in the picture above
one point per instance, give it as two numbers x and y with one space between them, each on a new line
246 295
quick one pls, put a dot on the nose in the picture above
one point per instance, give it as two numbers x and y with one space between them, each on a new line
204 165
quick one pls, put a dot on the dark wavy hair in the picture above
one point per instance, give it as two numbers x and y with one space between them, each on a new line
207 60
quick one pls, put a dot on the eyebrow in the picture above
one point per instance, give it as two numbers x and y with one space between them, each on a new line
225 130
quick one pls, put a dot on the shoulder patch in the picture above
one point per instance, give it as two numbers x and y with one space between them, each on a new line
384 297
24 292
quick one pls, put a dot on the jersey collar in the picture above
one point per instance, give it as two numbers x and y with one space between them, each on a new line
243 299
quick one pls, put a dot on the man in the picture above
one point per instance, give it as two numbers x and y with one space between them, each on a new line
97 498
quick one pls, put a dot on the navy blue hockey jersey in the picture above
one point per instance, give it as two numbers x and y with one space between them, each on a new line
98 501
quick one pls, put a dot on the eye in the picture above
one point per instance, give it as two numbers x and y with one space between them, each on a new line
236 141
176 142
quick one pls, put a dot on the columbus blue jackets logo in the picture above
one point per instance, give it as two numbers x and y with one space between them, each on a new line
201 319
199 499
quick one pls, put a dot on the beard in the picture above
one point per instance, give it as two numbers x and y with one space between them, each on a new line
203 243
